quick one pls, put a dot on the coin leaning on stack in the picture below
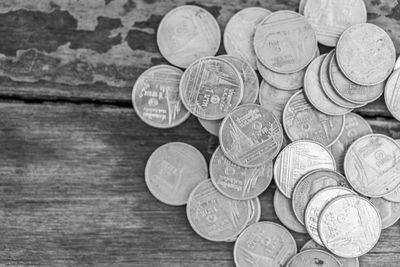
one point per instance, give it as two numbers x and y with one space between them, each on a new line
324 159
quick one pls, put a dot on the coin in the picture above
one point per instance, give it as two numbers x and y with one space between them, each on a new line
237 182
210 88
372 165
256 214
285 42
365 54
297 159
349 226
239 33
388 211
155 97
317 204
331 18
354 128
397 64
186 34
211 126
302 121
214 216
302 4
251 135
314 257
264 244
284 212
249 77
314 92
392 94
173 170
310 184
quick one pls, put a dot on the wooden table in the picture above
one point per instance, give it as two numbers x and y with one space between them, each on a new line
73 151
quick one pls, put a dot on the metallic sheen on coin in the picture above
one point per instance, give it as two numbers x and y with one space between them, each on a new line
211 126
388 211
392 94
314 258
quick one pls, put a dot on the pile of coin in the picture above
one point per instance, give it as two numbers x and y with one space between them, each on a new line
296 128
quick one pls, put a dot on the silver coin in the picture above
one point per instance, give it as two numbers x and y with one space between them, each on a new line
251 136
397 64
155 97
284 212
392 94
354 128
285 42
186 34
349 226
302 4
264 244
395 195
239 33
256 215
388 211
366 55
310 184
249 77
173 170
314 258
237 182
302 121
211 126
372 165
214 216
297 159
210 88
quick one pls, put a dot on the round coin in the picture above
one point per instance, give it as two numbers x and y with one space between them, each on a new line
314 258
251 135
388 211
210 88
173 170
392 94
285 42
366 54
211 126
188 33
264 244
297 159
349 226
372 165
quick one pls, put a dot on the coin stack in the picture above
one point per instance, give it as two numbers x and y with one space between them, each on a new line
336 180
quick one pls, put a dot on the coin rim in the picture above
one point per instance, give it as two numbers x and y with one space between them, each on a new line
313 250
387 100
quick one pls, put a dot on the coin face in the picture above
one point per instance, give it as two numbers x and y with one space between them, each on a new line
388 211
211 126
392 94
349 226
249 77
285 42
310 184
354 128
251 135
210 88
155 97
330 18
239 33
237 182
284 212
302 121
366 54
297 159
314 258
186 34
372 165
264 244
214 216
173 170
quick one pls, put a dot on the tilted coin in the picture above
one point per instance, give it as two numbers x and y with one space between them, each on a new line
349 226
388 211
264 244
317 204
397 64
284 212
186 34
210 88
302 121
372 165
314 258
239 33
354 128
310 184
237 182
256 214
285 42
249 77
173 170
392 94
297 159
214 216
302 4
155 97
395 195
211 126
366 54
251 135
331 18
